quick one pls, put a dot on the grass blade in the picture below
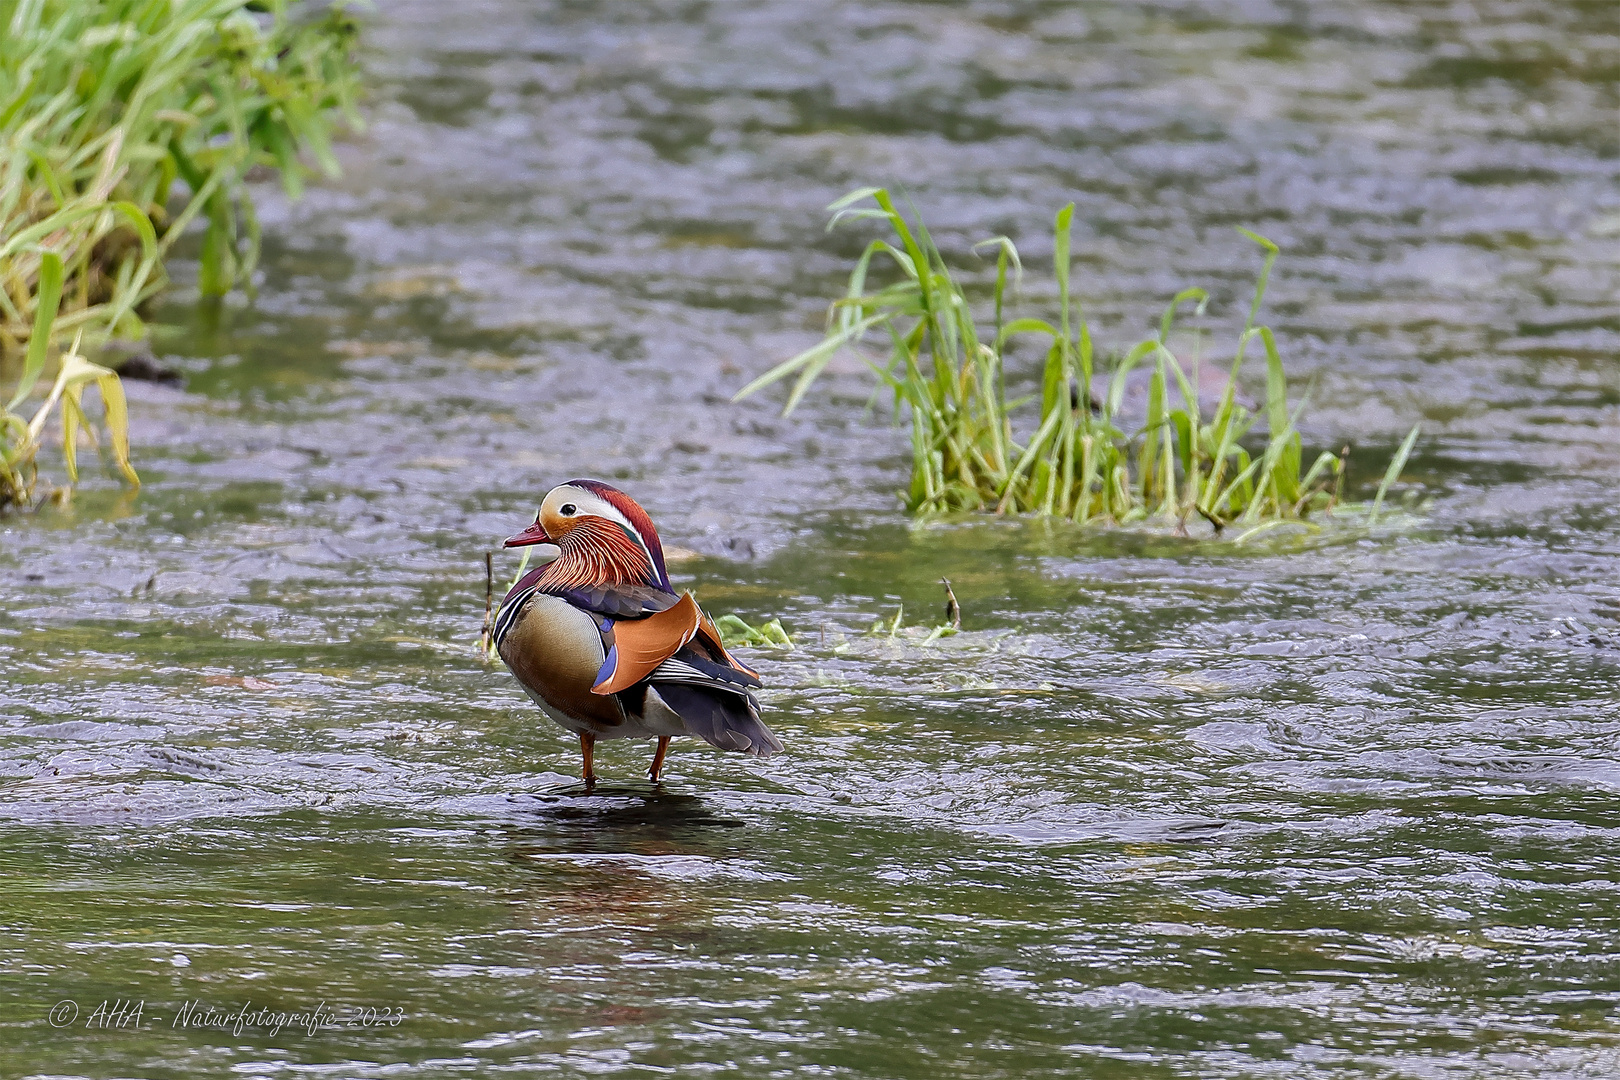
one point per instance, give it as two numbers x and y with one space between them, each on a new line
47 297
1393 473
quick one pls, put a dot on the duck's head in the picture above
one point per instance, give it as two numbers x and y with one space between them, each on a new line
601 530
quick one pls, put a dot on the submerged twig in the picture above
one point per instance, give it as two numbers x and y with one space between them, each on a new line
1216 523
489 605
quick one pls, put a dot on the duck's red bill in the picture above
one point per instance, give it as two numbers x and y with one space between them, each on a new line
534 534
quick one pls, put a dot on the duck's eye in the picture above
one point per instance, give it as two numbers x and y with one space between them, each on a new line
568 509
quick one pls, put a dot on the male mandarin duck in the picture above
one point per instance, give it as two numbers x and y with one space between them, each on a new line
605 647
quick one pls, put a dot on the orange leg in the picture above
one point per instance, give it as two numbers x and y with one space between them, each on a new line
658 759
587 748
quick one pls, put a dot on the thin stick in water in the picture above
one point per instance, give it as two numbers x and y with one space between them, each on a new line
489 604
953 610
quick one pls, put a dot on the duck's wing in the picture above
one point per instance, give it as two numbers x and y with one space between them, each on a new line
678 655
642 648
710 636
640 645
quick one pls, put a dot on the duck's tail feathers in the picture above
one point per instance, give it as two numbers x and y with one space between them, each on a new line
726 718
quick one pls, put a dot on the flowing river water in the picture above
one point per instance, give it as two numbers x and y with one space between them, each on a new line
1311 806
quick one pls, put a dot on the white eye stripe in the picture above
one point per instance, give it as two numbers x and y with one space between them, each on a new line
584 503
588 503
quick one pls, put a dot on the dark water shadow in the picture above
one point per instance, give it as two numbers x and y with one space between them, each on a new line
635 821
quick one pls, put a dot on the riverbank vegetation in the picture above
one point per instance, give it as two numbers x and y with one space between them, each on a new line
121 123
1078 458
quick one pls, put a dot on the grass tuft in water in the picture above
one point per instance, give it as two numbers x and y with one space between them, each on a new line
1076 460
734 631
104 107
20 439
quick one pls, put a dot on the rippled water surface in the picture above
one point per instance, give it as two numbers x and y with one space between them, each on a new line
1344 805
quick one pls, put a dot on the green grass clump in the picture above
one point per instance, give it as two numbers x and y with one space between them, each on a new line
20 439
1076 461
734 630
104 106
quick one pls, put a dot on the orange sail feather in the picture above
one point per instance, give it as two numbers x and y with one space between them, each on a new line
643 644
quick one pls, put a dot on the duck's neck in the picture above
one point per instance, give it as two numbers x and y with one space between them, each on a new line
599 554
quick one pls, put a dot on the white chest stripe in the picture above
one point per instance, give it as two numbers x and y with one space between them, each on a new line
507 617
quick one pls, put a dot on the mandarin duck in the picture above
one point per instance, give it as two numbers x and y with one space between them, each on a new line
603 645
